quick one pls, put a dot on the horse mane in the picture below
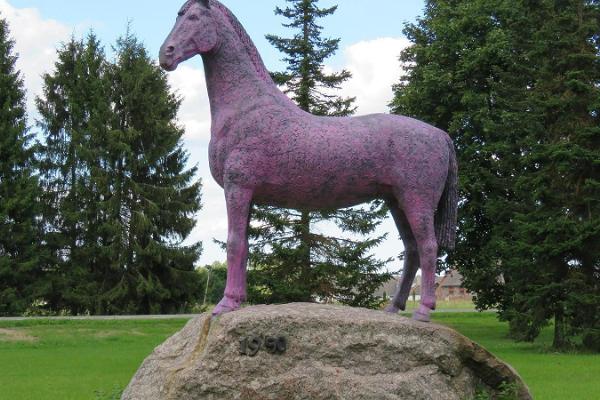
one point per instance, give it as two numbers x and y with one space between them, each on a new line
249 46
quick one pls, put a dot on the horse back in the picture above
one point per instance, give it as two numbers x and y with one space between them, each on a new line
308 162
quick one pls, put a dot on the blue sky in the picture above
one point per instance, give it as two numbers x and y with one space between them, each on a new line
355 20
371 41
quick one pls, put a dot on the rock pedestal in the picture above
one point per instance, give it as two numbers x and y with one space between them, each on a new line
312 352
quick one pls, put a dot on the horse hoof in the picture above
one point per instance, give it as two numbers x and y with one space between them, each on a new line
422 314
226 305
393 309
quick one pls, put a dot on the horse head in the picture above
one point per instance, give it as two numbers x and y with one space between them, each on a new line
195 32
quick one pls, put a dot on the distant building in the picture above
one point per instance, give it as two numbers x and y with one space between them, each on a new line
389 288
450 287
447 287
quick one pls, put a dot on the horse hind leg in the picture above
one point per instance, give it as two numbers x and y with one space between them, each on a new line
411 259
420 217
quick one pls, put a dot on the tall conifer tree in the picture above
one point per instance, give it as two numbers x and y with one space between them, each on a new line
557 223
154 196
74 110
118 200
19 191
517 83
290 259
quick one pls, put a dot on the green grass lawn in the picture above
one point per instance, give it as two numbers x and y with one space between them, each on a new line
549 375
463 305
78 360
62 360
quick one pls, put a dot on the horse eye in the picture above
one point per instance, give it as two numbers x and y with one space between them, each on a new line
194 17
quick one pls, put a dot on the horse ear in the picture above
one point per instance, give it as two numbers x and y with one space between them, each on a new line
205 3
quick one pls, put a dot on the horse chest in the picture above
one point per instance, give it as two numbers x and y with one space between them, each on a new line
216 160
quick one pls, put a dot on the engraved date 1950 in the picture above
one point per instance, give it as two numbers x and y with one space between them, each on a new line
251 345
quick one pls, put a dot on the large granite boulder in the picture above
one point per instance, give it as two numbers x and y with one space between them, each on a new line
310 351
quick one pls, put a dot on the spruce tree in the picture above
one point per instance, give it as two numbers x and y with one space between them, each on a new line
19 191
74 110
290 259
516 83
154 198
556 223
118 201
305 53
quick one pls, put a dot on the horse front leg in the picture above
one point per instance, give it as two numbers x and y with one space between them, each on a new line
238 215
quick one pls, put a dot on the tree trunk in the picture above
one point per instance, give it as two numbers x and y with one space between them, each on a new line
560 337
559 329
305 246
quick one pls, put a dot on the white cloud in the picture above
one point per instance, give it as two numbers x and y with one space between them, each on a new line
212 218
36 40
189 82
375 68
194 114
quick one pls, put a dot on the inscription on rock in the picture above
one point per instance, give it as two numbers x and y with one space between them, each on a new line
251 345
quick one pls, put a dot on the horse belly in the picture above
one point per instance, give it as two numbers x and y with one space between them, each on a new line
322 173
319 194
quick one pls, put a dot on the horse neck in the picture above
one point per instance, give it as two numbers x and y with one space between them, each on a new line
224 78
233 76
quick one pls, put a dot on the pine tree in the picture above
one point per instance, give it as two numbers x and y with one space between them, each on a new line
310 87
118 201
153 198
556 223
290 260
516 83
19 191
74 110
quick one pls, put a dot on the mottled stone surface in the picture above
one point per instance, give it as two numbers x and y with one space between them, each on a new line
333 352
265 150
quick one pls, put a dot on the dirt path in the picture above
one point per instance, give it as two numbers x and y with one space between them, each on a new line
15 335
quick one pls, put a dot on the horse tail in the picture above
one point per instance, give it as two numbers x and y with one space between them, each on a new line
446 214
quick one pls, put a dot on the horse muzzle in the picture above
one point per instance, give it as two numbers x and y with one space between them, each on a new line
167 59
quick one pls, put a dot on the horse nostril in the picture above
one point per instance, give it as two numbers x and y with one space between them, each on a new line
170 49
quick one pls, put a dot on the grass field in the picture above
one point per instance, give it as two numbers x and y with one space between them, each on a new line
75 360
441 305
63 360
550 376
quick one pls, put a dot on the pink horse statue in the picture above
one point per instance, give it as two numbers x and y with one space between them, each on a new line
266 150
